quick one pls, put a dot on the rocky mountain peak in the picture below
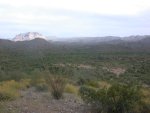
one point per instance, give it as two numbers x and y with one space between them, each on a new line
28 36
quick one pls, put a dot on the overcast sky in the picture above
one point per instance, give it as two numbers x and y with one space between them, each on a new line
75 18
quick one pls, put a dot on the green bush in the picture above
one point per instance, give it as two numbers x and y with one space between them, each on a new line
115 99
82 81
57 86
87 81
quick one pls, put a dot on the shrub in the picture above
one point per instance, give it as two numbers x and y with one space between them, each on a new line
82 81
38 77
25 83
57 86
115 99
93 84
8 94
104 84
90 96
123 98
9 90
71 89
39 84
41 87
87 81
22 84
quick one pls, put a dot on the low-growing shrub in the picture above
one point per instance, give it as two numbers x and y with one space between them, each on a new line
93 84
8 94
82 81
57 85
9 90
104 84
71 89
116 99
24 84
11 84
86 81
41 87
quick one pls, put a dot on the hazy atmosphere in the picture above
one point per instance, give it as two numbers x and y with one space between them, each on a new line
75 18
74 56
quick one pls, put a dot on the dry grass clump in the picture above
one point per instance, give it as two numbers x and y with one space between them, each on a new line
9 90
104 84
71 89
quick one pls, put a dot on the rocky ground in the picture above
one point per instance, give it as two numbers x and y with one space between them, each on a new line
32 101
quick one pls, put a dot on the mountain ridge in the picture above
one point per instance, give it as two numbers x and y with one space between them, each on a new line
39 44
28 36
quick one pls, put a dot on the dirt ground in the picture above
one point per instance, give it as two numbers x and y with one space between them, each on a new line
116 70
32 101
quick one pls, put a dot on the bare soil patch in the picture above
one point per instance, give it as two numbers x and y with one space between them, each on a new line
116 70
42 102
75 65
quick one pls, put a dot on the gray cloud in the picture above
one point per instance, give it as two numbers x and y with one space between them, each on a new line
67 23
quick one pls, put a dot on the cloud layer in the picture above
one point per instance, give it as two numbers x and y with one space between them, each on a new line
70 18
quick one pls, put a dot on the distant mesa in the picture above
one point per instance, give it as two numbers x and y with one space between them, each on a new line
28 36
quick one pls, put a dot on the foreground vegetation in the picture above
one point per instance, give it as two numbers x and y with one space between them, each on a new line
100 78
118 98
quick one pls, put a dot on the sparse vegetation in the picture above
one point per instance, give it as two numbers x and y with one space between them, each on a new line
92 71
57 85
71 89
41 87
9 90
118 98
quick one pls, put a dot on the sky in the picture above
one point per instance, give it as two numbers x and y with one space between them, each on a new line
75 18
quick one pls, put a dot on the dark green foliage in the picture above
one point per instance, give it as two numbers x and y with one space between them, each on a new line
144 108
116 99
14 65
12 75
82 81
86 81
59 70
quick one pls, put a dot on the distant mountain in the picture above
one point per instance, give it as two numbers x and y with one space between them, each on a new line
28 36
92 44
33 46
5 42
112 39
135 38
145 40
87 40
110 43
